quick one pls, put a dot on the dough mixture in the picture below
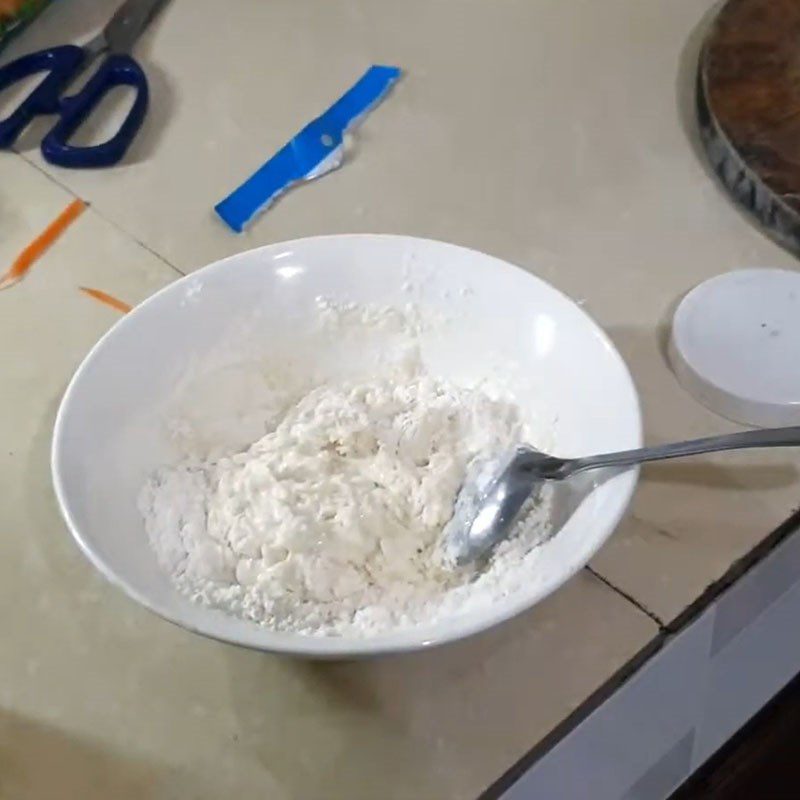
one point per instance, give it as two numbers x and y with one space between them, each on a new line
330 522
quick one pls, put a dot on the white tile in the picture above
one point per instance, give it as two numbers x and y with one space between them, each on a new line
751 664
640 740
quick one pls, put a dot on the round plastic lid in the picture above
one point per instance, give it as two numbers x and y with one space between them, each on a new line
735 346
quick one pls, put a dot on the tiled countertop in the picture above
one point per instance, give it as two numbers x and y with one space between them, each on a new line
553 134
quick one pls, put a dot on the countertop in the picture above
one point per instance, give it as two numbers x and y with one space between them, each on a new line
557 135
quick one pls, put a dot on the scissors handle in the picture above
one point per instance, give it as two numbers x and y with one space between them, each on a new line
61 64
116 70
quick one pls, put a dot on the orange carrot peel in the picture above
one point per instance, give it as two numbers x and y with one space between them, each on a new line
26 259
106 298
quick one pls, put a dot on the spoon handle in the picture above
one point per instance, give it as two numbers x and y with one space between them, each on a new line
769 437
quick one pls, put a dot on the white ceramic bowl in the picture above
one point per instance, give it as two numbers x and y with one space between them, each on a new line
107 438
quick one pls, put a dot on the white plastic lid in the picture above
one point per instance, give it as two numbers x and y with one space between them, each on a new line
735 346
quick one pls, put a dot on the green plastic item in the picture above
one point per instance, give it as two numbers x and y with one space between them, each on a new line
28 11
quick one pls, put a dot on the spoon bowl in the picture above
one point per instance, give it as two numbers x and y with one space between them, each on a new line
496 490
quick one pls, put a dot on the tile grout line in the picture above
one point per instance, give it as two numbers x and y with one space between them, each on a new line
644 609
102 216
124 232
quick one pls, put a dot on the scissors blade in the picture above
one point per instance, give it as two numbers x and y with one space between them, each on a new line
128 23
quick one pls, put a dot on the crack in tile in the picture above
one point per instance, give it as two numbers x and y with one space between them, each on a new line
662 532
114 224
630 598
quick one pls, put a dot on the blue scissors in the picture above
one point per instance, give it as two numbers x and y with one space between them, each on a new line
62 65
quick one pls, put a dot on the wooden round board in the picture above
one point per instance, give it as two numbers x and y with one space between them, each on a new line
748 102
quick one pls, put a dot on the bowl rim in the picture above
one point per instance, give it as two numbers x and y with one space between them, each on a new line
334 647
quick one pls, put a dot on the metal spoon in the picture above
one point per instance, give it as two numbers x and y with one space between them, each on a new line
495 489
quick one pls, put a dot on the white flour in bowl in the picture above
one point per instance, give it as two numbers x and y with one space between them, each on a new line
329 523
